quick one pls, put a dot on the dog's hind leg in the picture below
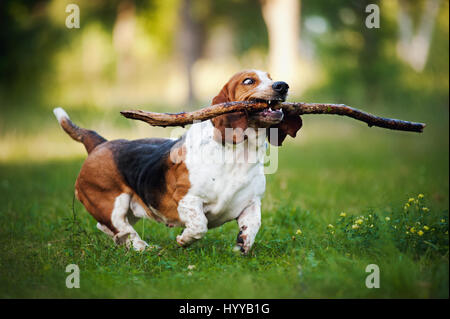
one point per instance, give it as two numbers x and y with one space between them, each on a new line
105 229
140 211
119 219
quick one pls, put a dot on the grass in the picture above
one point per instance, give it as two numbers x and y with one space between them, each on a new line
333 167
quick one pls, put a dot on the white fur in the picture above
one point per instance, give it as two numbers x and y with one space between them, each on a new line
265 82
60 114
105 229
224 183
120 221
138 210
190 211
249 222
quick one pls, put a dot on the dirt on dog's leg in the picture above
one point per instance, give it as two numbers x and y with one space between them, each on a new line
249 222
190 211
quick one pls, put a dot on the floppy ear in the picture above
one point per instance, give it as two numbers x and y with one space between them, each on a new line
230 128
221 97
288 126
236 122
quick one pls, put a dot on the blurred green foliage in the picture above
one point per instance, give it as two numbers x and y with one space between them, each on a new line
332 166
360 64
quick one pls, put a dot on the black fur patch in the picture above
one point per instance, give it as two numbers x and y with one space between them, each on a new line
143 164
239 239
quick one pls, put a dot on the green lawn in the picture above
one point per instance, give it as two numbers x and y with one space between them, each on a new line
334 166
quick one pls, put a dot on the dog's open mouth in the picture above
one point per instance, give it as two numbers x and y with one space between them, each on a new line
272 115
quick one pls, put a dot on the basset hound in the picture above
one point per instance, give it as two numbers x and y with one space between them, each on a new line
213 174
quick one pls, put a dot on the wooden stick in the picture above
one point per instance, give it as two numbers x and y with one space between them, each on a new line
342 109
185 118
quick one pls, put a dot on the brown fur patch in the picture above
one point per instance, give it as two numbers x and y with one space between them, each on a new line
99 183
177 183
147 209
89 138
236 121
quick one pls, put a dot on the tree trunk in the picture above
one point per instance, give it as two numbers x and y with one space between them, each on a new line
413 48
123 39
282 18
189 44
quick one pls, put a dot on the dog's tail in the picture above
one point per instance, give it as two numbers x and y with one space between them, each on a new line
89 138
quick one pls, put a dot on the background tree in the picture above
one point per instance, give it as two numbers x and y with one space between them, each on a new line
282 18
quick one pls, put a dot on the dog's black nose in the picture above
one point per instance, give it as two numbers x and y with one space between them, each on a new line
280 87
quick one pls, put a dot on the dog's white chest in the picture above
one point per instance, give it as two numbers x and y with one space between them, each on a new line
221 176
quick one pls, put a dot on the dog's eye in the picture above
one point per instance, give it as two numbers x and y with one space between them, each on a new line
248 81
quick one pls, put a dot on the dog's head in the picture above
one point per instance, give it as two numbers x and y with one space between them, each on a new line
253 85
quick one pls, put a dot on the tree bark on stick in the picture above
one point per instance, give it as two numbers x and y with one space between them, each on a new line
185 118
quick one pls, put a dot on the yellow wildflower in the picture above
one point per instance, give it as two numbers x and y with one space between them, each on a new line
420 233
420 196
359 221
412 230
387 219
342 214
330 226
425 209
411 200
426 227
354 226
298 232
442 220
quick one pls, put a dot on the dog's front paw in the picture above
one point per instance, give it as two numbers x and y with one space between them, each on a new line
181 241
240 249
